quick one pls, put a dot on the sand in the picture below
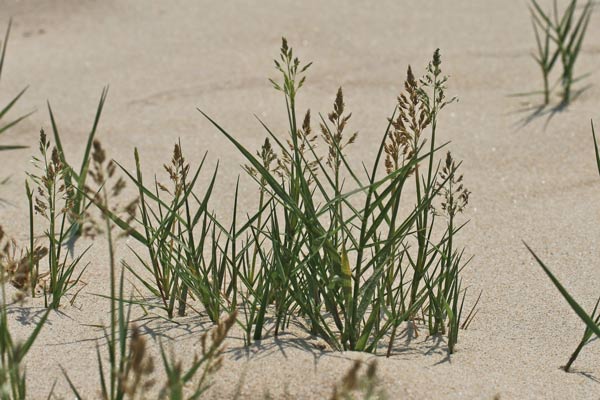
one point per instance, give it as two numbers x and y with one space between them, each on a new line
535 183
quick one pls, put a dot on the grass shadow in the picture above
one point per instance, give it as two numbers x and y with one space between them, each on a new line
27 316
535 112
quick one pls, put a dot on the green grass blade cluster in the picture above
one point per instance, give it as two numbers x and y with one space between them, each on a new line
559 37
349 257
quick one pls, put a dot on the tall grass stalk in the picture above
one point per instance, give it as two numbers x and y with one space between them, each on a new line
77 178
53 200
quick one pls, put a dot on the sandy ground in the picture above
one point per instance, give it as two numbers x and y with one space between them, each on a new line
164 59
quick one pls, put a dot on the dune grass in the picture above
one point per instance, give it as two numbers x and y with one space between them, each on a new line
559 36
352 264
55 193
351 274
51 197
349 254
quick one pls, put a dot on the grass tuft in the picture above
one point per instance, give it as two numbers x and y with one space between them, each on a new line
559 36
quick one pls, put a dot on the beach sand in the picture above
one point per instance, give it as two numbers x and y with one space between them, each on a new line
536 182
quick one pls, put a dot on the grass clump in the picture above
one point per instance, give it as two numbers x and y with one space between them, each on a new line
187 260
56 193
559 36
350 257
346 269
52 198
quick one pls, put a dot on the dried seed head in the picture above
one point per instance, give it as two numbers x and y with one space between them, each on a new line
177 170
455 196
334 137
43 142
111 168
98 153
437 59
267 157
56 159
306 124
372 370
412 119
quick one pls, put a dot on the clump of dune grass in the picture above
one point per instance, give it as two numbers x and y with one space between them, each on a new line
13 384
592 321
559 36
351 273
51 197
187 258
55 192
345 269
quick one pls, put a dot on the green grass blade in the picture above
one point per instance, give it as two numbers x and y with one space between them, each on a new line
7 108
4 44
596 148
574 305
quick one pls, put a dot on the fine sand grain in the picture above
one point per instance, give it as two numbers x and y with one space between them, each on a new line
535 182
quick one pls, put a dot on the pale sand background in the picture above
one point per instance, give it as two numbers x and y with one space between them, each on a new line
164 59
